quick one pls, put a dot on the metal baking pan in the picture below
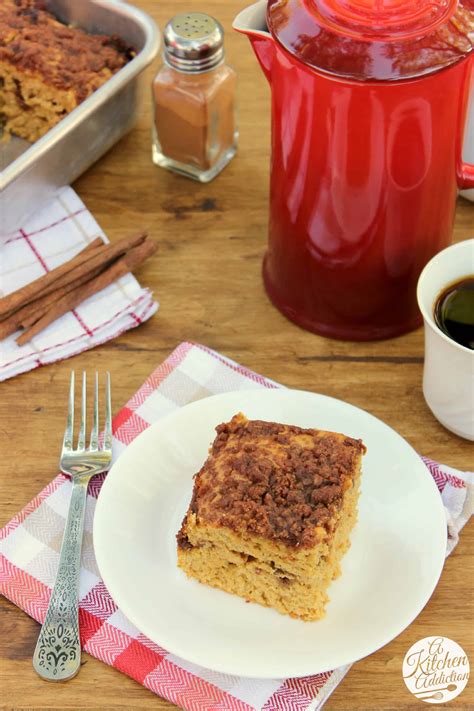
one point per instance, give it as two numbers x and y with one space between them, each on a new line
33 173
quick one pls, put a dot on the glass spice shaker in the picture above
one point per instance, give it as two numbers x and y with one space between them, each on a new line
194 130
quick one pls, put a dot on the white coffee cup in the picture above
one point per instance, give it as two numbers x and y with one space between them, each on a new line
448 376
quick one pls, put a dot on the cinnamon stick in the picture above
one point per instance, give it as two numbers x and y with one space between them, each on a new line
122 266
103 258
29 313
43 304
11 302
97 242
75 268
9 325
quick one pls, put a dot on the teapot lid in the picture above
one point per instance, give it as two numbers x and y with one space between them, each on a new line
374 39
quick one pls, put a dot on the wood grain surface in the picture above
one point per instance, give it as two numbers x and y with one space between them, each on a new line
207 279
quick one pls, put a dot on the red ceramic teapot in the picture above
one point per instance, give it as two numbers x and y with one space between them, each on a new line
369 102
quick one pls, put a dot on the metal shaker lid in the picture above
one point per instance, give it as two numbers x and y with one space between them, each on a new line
194 42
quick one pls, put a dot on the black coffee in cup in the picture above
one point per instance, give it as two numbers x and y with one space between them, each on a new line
454 311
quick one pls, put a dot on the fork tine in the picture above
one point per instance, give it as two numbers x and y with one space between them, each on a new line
108 416
81 442
69 431
94 443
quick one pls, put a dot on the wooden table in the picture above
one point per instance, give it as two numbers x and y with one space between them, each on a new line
207 279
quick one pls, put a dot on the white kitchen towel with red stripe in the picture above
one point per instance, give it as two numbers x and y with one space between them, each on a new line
61 229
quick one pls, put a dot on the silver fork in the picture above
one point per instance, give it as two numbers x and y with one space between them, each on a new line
57 656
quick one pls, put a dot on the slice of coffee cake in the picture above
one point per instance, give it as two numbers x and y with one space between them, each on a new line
271 513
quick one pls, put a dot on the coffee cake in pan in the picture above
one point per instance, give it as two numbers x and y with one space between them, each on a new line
48 68
271 514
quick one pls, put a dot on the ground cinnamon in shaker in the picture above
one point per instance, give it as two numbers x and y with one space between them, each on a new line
194 100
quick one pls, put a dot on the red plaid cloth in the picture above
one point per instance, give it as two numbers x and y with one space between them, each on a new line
31 542
52 236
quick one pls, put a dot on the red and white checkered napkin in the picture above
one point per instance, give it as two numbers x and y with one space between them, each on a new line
52 236
32 539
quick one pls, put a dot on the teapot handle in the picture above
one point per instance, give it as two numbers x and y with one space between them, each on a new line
465 176
466 167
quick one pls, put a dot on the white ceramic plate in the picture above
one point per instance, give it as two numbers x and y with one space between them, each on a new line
388 575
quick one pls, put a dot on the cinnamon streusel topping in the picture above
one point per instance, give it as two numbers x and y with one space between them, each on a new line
279 482
32 39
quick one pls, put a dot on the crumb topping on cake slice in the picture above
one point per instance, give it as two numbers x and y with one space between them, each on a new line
278 482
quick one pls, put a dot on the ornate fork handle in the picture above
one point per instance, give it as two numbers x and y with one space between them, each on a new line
57 656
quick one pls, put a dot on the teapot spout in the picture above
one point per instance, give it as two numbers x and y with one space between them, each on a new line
252 22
